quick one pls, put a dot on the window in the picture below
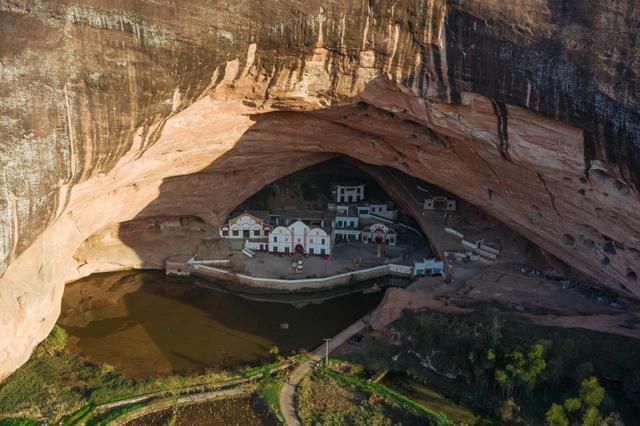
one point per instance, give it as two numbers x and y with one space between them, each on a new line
225 232
311 241
322 242
342 190
275 239
235 233
256 232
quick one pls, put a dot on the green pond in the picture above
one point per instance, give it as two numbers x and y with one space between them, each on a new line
144 325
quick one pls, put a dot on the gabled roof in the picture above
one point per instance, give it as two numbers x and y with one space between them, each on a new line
258 215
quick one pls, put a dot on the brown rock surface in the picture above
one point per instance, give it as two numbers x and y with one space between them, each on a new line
111 112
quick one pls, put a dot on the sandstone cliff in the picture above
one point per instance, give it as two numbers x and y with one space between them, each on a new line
112 111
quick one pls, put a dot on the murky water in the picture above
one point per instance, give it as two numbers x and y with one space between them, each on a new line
231 411
144 325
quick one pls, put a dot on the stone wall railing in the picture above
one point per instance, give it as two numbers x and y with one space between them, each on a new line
307 283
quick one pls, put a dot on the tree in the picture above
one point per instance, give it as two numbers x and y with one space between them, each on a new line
591 396
556 416
591 417
572 404
591 393
505 381
523 369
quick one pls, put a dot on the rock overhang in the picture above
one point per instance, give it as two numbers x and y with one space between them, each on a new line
489 103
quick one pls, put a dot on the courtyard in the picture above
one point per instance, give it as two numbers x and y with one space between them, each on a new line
347 256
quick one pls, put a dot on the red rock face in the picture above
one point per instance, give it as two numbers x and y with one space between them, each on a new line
529 111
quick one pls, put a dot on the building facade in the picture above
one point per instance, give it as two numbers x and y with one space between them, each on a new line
299 238
386 210
244 226
379 233
428 267
349 193
440 203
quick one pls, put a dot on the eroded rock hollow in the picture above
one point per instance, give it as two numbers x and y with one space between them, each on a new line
114 112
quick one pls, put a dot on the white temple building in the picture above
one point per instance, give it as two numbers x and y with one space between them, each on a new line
299 238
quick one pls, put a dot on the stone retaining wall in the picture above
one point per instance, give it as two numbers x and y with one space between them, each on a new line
308 283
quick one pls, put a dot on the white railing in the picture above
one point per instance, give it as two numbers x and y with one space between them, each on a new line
452 231
334 280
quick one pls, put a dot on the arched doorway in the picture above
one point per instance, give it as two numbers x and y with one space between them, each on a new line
299 249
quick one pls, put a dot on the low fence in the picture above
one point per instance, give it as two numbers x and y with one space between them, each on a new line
306 283
209 262
482 252
402 270
452 231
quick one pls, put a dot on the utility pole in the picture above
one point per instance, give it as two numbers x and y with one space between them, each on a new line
326 351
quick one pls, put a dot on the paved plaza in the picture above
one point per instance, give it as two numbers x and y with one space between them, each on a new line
343 259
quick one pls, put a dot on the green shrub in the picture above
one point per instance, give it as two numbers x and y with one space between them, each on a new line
19 422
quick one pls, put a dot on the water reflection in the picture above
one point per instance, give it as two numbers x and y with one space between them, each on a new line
144 325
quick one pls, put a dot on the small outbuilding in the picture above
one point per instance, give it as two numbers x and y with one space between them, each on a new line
440 203
427 267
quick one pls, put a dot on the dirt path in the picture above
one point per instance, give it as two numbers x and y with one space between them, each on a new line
287 395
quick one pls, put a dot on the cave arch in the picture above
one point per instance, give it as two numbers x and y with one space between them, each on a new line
226 146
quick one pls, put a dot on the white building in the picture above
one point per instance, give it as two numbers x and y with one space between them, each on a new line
440 203
428 267
296 238
244 226
347 223
349 193
386 210
379 233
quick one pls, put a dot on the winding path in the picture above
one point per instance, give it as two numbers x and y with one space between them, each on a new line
287 395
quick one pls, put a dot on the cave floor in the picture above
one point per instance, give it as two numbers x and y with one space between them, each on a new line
533 299
410 247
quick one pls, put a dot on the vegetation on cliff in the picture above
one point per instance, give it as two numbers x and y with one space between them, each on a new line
513 371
